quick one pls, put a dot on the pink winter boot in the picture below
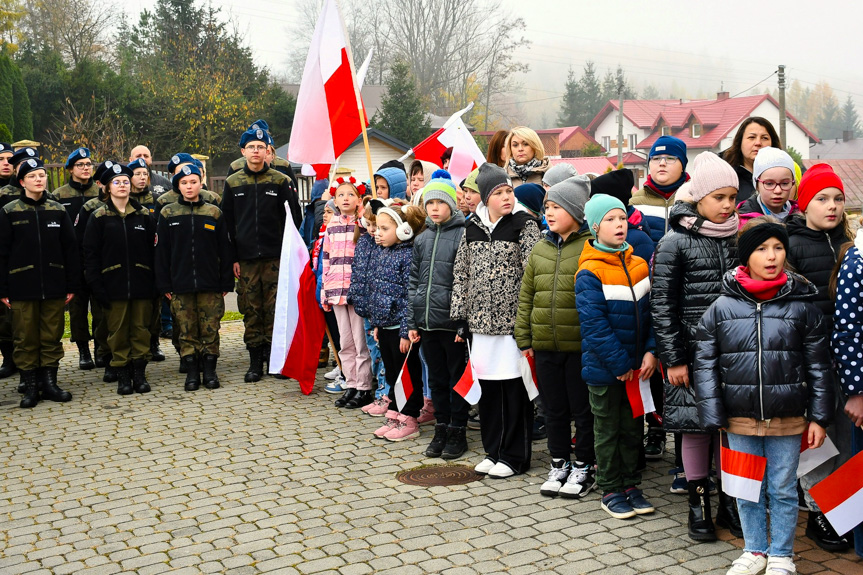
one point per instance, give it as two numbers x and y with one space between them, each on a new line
379 407
407 428
391 423
427 412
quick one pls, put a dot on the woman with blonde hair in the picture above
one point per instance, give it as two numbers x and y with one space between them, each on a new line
525 157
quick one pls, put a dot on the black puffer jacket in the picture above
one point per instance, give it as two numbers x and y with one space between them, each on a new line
687 279
763 359
746 189
430 290
813 254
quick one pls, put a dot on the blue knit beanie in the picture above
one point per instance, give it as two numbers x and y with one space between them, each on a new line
531 196
670 146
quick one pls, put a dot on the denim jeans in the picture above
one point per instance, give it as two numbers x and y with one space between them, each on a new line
780 483
426 388
378 372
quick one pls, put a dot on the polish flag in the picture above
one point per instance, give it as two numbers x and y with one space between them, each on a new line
298 328
528 376
327 118
812 458
404 387
840 495
466 155
638 393
468 387
742 474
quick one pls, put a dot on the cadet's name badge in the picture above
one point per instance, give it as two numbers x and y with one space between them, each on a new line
209 227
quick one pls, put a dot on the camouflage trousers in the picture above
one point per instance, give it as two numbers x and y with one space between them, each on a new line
128 324
256 299
37 328
197 319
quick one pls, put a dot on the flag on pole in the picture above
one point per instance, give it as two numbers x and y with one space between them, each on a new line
638 393
404 386
327 118
812 458
466 155
742 474
298 328
468 387
528 376
840 495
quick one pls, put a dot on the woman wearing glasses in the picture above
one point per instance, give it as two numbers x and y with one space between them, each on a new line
773 178
118 263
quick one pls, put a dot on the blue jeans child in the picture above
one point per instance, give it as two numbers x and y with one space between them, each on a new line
377 364
780 483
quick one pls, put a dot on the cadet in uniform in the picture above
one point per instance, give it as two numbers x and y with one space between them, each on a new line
274 161
194 269
254 204
118 258
7 171
39 273
72 196
177 162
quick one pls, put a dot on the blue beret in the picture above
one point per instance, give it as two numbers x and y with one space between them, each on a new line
183 172
138 163
260 125
5 148
177 159
30 165
112 171
78 154
22 154
260 135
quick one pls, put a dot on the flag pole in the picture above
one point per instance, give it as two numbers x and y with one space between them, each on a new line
359 100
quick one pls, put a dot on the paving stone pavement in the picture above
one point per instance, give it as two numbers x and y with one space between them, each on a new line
257 478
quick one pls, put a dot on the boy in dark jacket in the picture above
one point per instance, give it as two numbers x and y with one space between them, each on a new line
194 271
547 327
612 294
39 273
429 320
764 373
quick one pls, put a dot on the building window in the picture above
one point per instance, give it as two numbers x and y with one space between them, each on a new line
666 131
632 140
696 130
606 142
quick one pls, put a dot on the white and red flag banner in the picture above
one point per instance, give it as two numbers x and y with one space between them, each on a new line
742 474
466 155
638 393
298 328
327 118
404 386
468 386
840 495
812 458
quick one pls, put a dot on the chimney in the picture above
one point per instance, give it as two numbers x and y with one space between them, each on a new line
847 135
721 96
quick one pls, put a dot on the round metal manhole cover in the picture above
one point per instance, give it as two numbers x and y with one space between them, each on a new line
439 475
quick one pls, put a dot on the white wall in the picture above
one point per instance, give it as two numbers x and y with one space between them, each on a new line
608 127
355 158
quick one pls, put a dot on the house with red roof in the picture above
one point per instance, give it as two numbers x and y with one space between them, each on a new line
704 125
851 174
558 142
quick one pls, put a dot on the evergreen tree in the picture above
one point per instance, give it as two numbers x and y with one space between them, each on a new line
572 97
830 121
850 120
609 87
650 93
591 90
7 110
402 114
21 114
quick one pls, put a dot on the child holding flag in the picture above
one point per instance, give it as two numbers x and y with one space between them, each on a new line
388 307
612 289
763 372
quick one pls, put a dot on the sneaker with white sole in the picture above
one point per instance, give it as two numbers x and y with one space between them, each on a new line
427 413
379 407
780 566
407 428
333 373
389 424
336 386
484 466
679 485
748 564
580 482
501 471
556 477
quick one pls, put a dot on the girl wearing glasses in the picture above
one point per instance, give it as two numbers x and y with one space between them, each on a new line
773 178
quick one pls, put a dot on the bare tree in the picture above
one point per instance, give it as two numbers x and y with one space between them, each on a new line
77 29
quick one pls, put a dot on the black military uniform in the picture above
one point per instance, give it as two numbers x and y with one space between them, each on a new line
194 264
254 206
39 266
118 259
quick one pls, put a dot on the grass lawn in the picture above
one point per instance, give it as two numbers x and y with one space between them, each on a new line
229 316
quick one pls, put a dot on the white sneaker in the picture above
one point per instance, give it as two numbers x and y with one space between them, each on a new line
333 373
484 466
748 564
581 481
780 566
556 478
501 471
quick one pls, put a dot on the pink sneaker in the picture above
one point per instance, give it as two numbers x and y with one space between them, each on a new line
407 428
391 423
427 412
379 408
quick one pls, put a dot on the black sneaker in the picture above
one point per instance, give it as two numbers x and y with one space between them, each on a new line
654 443
456 443
580 482
819 530
539 430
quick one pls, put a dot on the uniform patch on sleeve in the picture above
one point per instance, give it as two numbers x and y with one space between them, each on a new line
210 227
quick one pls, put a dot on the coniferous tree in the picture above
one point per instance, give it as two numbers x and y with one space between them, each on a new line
850 120
402 114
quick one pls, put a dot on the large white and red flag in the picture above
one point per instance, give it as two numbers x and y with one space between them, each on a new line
466 155
298 328
638 393
742 474
812 458
840 495
327 118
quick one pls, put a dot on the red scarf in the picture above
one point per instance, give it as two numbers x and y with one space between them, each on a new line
666 191
761 289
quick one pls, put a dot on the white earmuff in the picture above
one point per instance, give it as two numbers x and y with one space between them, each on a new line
404 231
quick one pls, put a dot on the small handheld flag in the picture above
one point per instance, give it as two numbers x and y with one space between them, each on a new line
812 458
404 387
638 393
468 387
840 495
742 474
528 376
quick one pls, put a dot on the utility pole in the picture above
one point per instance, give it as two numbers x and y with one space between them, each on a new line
784 144
620 122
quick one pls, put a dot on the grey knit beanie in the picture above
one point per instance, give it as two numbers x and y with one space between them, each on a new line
490 178
558 173
571 195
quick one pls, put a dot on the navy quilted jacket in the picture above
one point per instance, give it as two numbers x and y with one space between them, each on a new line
358 292
388 277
